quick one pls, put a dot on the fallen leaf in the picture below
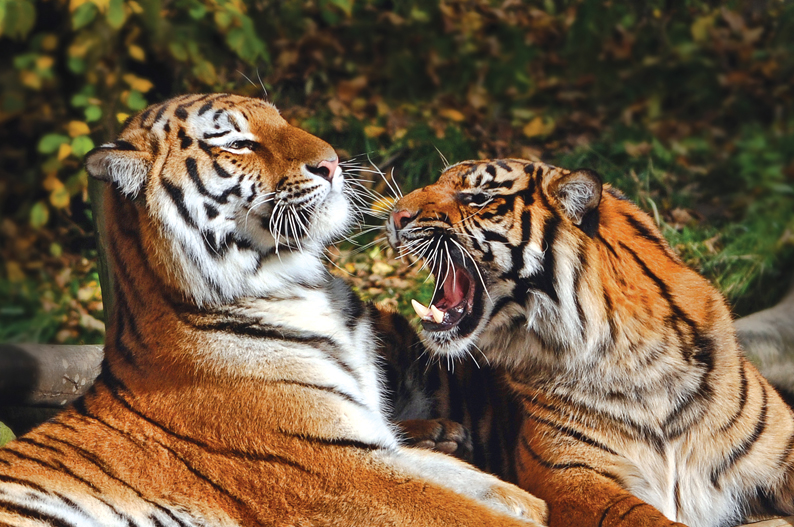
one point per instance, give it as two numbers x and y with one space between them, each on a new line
373 131
538 126
452 114
76 128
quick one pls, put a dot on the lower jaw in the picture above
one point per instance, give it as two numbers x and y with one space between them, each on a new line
447 342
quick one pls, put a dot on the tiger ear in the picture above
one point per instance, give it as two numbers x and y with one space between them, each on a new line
120 163
577 192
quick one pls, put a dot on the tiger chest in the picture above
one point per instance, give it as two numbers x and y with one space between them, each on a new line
675 480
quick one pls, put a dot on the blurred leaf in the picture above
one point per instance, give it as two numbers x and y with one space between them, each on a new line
93 113
452 114
64 151
345 5
17 18
50 143
39 215
115 14
420 15
374 131
137 53
136 101
83 15
700 28
137 83
198 11
178 51
76 128
538 126
6 435
81 145
59 198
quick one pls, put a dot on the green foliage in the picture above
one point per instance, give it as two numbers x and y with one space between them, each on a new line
687 107
6 435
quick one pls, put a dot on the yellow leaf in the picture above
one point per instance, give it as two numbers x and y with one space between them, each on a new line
383 108
137 83
49 43
51 183
121 116
59 198
44 62
384 204
700 28
78 51
538 126
374 131
136 52
30 79
135 7
74 4
76 128
382 268
63 151
14 272
452 114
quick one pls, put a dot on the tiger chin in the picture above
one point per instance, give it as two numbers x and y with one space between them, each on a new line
241 384
616 390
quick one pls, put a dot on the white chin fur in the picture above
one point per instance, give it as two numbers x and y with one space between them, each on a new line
210 277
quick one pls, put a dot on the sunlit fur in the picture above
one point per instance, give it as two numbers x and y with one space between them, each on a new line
632 402
240 384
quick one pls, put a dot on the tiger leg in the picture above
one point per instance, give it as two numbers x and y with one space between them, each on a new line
578 483
581 496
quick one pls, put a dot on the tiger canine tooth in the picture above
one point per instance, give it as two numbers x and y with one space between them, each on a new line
421 310
438 315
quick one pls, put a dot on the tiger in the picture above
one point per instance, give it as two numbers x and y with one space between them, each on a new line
612 385
241 383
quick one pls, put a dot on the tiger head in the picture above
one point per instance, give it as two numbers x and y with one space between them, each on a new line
235 201
485 229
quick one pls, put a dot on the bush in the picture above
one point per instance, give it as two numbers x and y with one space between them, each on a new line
686 108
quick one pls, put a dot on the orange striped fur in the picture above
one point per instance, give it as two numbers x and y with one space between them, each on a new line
241 384
617 390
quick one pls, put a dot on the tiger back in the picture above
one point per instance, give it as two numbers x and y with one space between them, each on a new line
240 384
635 403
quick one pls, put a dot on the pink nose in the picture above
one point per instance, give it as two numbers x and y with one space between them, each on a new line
325 169
401 218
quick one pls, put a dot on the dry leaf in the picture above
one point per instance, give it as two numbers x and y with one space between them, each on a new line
452 114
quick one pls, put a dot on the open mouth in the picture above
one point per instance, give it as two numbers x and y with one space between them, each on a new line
453 300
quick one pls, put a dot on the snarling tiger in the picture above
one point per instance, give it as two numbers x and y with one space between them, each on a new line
617 391
240 384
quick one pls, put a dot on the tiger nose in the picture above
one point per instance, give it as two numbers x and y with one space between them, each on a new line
402 218
325 169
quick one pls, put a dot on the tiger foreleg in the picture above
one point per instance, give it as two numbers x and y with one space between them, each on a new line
582 497
462 478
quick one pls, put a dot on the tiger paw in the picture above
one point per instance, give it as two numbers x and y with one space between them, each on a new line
517 502
441 435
